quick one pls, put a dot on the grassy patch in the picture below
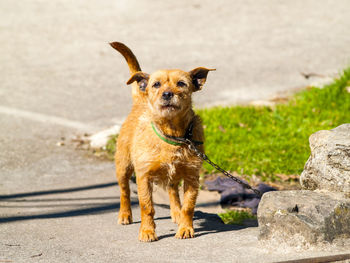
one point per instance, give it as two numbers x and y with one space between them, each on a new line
236 217
109 150
111 145
267 141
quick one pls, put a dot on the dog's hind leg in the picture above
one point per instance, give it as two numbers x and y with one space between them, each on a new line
124 171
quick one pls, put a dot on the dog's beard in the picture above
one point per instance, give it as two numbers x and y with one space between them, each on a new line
168 106
166 109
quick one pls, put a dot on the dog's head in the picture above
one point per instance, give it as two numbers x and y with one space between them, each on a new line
169 91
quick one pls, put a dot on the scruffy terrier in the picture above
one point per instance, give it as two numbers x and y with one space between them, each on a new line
148 144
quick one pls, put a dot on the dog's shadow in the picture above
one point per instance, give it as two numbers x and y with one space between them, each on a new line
206 223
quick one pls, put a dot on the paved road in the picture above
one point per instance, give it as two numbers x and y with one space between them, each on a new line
60 78
68 213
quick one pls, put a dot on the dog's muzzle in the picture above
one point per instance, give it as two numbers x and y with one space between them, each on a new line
167 95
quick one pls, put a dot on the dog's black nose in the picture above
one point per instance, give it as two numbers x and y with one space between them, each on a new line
167 95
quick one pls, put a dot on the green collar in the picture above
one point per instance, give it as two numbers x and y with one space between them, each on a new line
163 138
177 141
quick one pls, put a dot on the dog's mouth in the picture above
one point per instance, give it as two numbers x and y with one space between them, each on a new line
169 106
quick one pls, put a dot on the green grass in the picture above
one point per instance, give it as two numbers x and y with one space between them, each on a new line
236 217
267 141
110 148
111 144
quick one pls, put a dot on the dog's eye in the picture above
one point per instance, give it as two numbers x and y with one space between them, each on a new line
181 84
156 85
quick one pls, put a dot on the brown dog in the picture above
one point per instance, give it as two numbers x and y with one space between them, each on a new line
162 107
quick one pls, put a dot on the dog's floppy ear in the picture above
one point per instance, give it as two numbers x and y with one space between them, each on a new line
199 76
141 78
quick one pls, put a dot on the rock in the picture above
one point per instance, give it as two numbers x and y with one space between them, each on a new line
303 217
328 166
100 139
322 216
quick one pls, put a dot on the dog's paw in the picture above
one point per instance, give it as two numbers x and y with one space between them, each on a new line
147 235
124 218
185 232
175 216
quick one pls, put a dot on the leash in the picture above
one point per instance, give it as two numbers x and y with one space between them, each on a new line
187 140
204 157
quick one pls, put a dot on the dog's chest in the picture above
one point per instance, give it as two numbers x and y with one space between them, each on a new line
162 161
173 163
177 158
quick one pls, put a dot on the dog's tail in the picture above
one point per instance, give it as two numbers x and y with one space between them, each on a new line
128 55
133 64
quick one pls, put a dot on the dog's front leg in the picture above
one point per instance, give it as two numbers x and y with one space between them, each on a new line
147 229
175 205
185 229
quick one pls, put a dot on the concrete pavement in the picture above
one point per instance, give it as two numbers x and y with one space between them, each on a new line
68 213
60 78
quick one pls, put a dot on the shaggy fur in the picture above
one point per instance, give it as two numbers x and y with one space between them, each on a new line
163 98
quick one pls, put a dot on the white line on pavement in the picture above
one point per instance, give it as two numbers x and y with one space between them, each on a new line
46 118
